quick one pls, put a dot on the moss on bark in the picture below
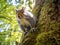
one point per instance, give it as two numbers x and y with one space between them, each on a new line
48 24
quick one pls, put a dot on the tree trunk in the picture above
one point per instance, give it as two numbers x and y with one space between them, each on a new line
48 24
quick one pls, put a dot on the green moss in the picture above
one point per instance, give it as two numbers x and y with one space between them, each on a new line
49 38
48 19
49 24
36 10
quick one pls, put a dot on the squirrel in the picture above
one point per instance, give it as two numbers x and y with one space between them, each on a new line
26 20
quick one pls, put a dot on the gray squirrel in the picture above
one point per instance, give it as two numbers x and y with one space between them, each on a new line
26 20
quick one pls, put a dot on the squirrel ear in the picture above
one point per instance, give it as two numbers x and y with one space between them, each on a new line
23 8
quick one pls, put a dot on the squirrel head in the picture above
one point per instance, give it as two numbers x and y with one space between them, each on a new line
20 12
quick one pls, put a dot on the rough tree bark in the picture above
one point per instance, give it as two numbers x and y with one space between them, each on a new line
48 24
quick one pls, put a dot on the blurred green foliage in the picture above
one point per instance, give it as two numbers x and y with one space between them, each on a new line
10 32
